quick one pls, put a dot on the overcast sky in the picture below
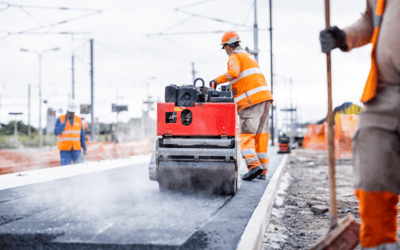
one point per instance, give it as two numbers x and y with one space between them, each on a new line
125 58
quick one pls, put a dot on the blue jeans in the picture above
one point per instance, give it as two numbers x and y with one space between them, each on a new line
68 156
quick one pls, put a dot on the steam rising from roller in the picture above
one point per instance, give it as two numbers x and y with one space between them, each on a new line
198 148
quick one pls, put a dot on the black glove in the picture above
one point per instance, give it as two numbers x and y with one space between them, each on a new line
85 152
332 38
213 84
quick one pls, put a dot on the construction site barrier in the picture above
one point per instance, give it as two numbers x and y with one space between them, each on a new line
12 162
316 137
345 127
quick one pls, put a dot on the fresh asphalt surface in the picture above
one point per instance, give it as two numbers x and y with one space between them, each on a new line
122 209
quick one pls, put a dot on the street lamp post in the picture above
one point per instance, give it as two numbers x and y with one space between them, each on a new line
144 80
40 89
142 120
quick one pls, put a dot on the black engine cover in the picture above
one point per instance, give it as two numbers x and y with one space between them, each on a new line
187 96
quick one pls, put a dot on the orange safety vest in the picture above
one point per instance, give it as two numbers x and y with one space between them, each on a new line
248 83
372 81
70 138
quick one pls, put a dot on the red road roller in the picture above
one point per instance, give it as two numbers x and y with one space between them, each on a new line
198 146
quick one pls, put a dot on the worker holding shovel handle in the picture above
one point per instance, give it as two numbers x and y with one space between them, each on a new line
377 139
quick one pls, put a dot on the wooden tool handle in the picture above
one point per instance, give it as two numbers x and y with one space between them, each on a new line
331 146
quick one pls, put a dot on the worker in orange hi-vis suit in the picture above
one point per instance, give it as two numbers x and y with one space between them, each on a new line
377 140
253 98
70 136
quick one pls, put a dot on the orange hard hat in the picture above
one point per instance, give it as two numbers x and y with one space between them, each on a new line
230 37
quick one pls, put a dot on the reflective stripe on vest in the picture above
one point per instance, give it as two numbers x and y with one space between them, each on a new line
68 139
252 92
247 72
71 132
372 82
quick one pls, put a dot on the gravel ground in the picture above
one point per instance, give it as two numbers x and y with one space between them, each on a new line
293 225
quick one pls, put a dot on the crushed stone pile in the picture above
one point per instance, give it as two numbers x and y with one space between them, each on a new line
300 214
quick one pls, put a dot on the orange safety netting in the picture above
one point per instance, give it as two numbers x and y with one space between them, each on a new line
316 137
12 162
345 127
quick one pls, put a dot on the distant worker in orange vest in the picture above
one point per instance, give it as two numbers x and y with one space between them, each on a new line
70 136
253 98
377 139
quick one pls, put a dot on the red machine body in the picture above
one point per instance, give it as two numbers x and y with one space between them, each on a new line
283 147
207 119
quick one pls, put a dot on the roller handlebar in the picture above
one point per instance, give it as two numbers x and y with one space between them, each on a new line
197 79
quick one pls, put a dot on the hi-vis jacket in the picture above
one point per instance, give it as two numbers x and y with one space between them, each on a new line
372 81
70 138
379 25
249 86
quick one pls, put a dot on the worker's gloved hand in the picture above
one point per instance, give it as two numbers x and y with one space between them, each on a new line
85 152
67 117
213 84
332 38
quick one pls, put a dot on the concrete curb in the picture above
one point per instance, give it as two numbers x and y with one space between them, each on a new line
253 234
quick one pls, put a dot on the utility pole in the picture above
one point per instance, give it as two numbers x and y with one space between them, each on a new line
73 76
29 110
255 31
91 89
193 71
291 114
270 35
116 127
40 103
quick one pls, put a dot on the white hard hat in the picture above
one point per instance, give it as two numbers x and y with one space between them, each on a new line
72 106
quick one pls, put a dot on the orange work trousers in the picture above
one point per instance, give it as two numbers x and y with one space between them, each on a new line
378 212
254 135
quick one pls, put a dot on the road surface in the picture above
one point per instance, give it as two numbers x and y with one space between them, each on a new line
122 209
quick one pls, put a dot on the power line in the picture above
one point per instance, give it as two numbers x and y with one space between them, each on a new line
212 18
30 15
45 7
198 32
178 45
50 26
189 5
48 33
59 23
248 13
136 14
7 6
177 24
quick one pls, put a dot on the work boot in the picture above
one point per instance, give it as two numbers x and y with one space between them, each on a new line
252 173
262 176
